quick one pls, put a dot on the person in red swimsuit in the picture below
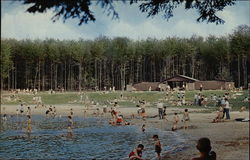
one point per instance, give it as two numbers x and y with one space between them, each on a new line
136 154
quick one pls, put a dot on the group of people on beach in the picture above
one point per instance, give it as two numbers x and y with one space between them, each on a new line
136 154
203 146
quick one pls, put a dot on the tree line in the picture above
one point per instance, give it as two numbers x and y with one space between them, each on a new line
105 62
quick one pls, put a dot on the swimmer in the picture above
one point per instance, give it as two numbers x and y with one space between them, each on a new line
143 128
175 121
157 146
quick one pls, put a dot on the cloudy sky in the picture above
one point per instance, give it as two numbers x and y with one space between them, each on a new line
18 24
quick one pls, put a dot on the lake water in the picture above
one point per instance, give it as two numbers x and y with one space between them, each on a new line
93 138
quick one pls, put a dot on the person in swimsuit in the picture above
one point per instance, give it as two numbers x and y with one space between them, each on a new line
157 146
185 118
29 112
204 147
175 121
70 125
21 109
143 128
136 154
29 124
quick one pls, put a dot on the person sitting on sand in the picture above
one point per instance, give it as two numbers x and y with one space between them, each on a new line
219 115
157 146
175 121
136 154
204 147
186 118
29 124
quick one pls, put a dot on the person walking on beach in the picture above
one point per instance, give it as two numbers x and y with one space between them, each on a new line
204 147
227 109
136 154
175 121
186 119
157 146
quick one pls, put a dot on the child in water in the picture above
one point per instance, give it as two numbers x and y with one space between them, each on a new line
143 128
157 146
186 118
70 125
29 124
175 122
136 154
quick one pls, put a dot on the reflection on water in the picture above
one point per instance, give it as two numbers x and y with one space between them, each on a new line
92 138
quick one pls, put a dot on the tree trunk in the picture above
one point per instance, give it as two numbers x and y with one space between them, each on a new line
112 74
100 76
16 77
55 77
39 76
238 71
51 75
80 77
43 76
244 66
65 76
96 74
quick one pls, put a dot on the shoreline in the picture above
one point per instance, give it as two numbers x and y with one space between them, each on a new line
229 139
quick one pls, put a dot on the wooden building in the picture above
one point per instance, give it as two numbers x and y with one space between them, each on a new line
145 86
194 84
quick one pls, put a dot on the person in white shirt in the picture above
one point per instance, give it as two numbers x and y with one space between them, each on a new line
160 110
227 109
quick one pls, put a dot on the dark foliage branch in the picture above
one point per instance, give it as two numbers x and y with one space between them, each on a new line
80 9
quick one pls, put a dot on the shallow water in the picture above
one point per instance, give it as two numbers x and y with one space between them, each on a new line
93 138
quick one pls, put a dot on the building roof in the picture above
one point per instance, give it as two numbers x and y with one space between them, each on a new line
181 78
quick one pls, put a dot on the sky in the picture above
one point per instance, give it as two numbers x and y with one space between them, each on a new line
18 24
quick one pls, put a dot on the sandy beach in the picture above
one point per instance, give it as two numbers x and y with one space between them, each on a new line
230 139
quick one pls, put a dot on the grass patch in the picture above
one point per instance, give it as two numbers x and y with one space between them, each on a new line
152 97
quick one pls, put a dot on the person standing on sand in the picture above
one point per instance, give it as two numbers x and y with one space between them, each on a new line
204 147
227 109
186 119
160 110
201 88
157 146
